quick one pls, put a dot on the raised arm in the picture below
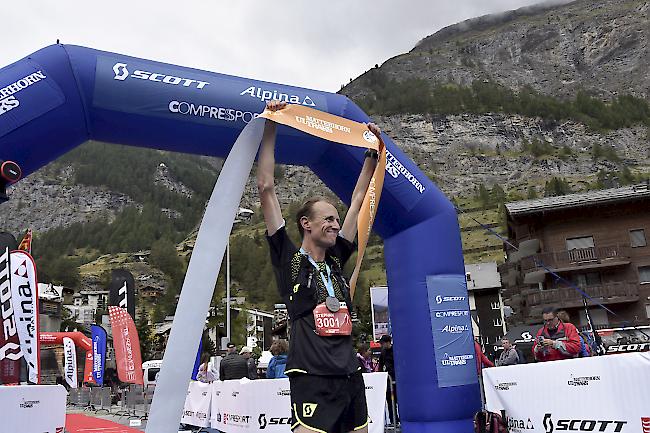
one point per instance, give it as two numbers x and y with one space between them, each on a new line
349 228
265 174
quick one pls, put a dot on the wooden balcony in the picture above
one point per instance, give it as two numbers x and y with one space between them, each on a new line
568 297
577 259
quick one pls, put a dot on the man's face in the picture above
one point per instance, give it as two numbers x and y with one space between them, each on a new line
246 355
324 225
550 320
231 349
506 344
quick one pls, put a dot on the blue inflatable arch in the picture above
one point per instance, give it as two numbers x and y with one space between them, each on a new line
61 96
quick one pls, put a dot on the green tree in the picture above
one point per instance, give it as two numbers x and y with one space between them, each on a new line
145 335
532 192
556 187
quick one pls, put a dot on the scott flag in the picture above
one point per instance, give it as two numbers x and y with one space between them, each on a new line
122 290
127 346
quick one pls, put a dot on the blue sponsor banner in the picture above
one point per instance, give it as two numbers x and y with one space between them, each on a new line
26 92
98 337
452 330
197 361
151 88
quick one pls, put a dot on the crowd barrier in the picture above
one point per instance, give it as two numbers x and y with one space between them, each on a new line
33 408
263 405
608 394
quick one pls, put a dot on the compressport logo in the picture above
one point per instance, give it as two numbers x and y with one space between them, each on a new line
582 425
122 73
210 112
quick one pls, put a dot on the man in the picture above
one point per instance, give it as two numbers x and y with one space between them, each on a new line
387 364
556 339
247 353
327 390
509 356
233 365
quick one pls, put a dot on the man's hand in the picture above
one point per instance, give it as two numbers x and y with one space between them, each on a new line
374 129
548 342
275 105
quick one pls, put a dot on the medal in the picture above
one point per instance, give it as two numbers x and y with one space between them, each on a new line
332 304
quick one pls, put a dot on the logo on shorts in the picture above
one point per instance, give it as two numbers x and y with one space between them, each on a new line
308 409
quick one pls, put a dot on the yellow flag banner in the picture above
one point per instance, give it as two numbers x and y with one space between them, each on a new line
344 131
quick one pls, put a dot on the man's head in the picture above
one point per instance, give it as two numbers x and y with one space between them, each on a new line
246 352
319 219
231 348
549 315
385 341
507 345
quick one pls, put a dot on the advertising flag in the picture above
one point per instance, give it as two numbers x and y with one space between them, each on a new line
122 290
11 354
98 337
24 293
70 362
127 346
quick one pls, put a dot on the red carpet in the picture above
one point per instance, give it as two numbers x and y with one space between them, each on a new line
78 423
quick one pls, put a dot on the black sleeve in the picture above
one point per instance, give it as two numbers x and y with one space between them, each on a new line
343 249
282 251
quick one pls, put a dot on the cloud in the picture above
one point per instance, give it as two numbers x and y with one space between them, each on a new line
315 44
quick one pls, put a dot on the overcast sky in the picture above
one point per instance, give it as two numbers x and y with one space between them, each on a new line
318 44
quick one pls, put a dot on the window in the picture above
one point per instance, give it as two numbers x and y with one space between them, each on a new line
580 243
637 238
644 274
588 279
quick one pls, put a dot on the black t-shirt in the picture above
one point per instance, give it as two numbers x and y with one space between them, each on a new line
309 352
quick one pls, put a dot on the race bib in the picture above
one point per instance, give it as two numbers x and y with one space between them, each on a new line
329 324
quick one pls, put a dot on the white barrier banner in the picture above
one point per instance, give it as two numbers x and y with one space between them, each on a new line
197 404
606 394
70 362
265 405
33 408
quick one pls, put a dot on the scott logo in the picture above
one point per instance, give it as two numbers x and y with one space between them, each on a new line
272 421
441 299
122 73
582 425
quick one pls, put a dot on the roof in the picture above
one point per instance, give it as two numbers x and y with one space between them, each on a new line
482 276
591 198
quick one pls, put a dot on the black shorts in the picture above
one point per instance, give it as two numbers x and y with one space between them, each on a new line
328 404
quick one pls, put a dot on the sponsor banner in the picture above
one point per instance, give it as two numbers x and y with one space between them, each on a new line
11 354
265 405
156 89
33 408
197 405
122 290
24 289
127 346
98 338
452 330
70 362
607 394
380 314
26 92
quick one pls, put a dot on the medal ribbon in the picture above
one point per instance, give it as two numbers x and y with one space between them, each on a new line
326 282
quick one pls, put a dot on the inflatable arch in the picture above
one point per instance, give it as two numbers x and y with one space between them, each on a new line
80 341
62 96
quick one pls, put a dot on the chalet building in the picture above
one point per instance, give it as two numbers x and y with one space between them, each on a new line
596 240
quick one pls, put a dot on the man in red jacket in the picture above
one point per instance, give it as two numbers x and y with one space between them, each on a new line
556 339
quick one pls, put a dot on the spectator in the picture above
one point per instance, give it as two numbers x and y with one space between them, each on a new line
482 361
387 363
277 364
555 340
584 348
364 357
509 356
204 374
247 353
233 365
